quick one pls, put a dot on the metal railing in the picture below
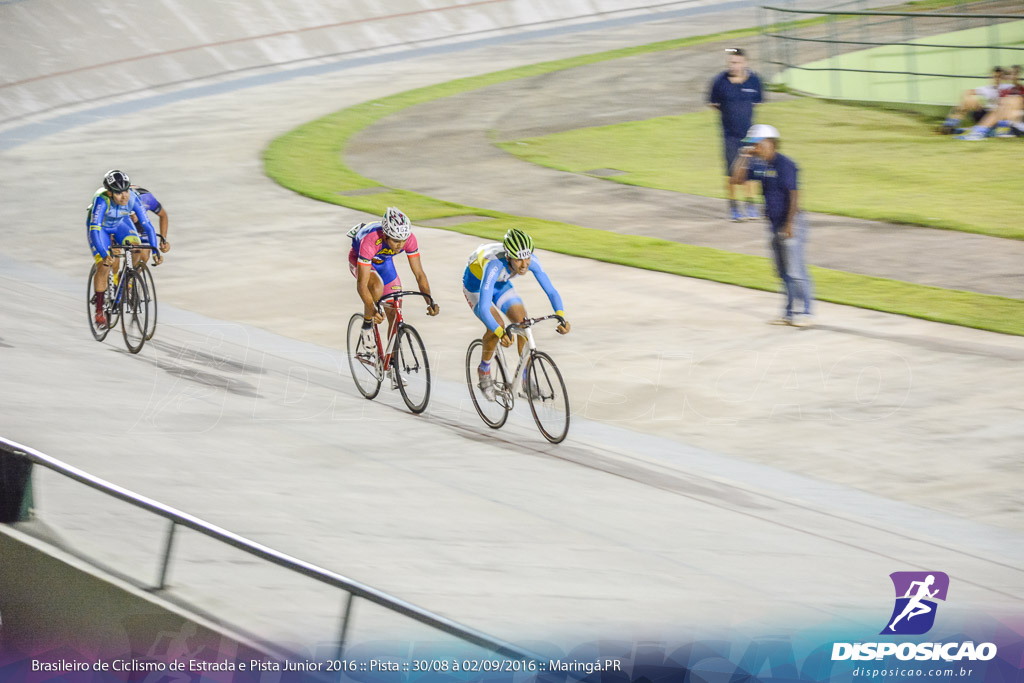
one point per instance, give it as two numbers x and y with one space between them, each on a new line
354 588
781 40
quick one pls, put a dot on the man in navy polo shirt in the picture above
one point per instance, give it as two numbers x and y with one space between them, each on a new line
761 160
734 92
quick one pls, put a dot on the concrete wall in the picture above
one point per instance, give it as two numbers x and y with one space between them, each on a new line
57 53
53 603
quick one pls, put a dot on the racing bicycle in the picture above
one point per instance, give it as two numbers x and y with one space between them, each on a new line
536 377
404 356
128 299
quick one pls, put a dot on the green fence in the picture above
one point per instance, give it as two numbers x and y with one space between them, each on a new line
891 56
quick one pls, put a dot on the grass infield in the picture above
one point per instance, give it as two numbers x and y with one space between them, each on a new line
859 161
310 161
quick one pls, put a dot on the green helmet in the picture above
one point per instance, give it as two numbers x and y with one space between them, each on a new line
518 245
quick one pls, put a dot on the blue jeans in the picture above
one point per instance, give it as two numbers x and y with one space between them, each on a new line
791 268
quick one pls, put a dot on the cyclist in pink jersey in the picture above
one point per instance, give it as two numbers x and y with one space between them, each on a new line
370 262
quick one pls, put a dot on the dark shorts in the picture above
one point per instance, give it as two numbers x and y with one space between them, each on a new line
732 150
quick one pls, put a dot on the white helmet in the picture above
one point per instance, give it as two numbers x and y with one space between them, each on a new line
395 224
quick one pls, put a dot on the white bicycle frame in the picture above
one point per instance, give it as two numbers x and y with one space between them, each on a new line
529 346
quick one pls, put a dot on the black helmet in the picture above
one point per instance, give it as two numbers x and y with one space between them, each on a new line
116 181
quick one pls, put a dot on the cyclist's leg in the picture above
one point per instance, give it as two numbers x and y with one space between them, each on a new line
490 339
99 242
509 303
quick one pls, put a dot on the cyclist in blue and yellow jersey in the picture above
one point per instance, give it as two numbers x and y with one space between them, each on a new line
110 214
153 205
489 292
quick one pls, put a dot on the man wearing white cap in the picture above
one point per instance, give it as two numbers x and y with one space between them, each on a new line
761 160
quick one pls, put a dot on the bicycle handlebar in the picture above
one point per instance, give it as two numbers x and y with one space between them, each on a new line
399 295
513 328
131 247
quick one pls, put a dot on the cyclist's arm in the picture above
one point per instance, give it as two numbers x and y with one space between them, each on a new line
483 307
164 221
143 219
417 272
97 212
545 283
96 215
412 251
153 205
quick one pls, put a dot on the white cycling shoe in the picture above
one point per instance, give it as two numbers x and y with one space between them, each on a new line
395 379
486 384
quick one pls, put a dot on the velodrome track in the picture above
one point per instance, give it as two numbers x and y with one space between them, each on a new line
720 474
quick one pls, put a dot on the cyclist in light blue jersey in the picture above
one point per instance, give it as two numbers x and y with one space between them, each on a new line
110 215
487 286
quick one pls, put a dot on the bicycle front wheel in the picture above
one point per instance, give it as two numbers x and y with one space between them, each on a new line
99 332
134 312
364 363
549 401
151 291
412 369
492 411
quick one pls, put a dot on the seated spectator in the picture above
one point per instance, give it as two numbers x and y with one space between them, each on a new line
975 103
1007 118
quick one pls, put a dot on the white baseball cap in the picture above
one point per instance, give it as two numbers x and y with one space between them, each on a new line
761 131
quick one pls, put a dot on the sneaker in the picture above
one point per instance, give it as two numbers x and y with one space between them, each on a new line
486 384
752 213
804 320
976 133
950 125
1003 132
781 320
736 216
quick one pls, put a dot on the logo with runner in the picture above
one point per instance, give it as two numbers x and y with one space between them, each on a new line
916 593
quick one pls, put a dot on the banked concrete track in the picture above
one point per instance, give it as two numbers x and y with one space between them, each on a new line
721 474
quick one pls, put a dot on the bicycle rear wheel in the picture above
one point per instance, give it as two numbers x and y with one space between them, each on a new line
412 369
98 333
151 291
549 401
493 413
134 312
364 364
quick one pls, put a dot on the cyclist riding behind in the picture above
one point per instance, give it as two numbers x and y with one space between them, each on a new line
110 214
153 205
488 289
370 261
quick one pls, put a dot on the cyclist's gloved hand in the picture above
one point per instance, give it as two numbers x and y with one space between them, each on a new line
563 325
165 246
433 309
157 258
